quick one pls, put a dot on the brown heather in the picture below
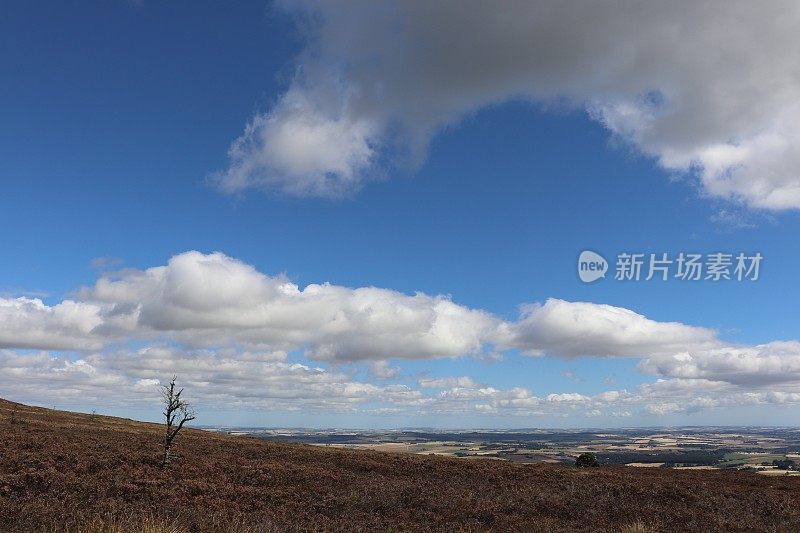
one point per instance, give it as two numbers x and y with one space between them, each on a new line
62 471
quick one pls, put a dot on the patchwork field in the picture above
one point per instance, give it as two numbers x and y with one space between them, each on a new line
766 450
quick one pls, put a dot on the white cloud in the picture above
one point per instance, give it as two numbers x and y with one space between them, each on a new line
663 408
517 401
205 300
748 366
567 397
711 86
383 370
461 382
609 396
43 376
572 329
301 149
29 323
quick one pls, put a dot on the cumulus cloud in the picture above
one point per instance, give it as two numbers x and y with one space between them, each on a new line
749 366
517 401
300 149
572 329
42 376
29 323
213 299
567 397
708 87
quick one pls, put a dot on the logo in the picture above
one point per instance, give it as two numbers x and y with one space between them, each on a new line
591 266
665 266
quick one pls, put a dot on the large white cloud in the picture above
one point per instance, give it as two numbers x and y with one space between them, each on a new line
213 299
711 86
572 329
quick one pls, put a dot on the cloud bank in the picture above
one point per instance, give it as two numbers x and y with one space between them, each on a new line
708 88
213 300
267 381
229 330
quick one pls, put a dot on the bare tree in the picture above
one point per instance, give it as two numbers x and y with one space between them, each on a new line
176 413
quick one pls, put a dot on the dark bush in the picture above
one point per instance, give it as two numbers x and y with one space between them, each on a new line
587 459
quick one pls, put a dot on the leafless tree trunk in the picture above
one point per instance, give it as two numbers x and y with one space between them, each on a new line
176 413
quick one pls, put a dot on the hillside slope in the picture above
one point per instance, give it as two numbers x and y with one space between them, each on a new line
66 471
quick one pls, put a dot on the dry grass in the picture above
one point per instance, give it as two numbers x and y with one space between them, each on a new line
81 473
638 527
130 524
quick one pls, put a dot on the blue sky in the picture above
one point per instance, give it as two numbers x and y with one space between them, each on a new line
117 122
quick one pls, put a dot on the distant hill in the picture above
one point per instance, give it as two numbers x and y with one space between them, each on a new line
62 471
